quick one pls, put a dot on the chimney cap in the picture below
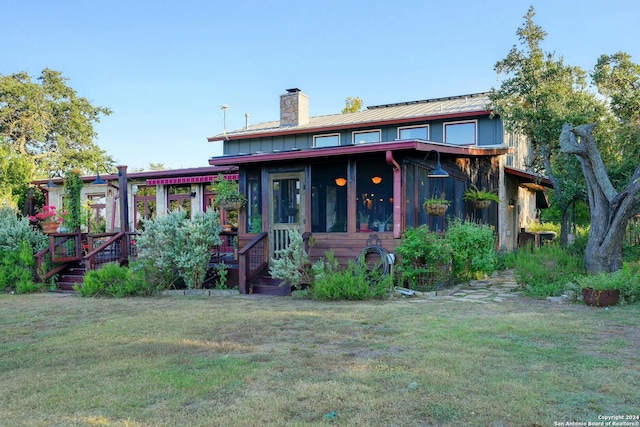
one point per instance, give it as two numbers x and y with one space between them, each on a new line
293 90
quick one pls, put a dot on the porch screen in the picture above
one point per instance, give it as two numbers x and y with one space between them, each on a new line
329 198
374 191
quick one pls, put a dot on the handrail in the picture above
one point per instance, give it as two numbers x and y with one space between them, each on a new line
40 260
100 248
90 257
252 258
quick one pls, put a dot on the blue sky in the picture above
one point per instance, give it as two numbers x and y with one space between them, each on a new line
166 67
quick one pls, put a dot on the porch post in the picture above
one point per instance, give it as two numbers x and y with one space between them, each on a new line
124 198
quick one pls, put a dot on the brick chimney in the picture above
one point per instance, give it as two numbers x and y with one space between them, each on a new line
294 108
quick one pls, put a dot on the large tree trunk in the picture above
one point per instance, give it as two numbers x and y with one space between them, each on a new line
610 210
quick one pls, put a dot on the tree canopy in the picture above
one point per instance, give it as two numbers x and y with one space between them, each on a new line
539 93
352 104
48 123
541 97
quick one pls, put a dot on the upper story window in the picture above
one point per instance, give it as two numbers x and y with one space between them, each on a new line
326 140
460 133
414 132
366 137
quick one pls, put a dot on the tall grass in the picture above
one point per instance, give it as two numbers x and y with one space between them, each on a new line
547 271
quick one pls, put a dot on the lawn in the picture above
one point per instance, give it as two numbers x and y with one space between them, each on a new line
268 361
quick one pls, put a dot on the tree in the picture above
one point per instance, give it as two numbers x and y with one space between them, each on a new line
47 122
15 170
538 95
352 105
156 167
610 209
618 79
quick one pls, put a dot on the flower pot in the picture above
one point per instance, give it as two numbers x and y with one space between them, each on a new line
600 298
481 204
49 227
436 209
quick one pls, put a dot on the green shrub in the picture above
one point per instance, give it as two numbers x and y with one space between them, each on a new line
547 271
116 281
630 290
423 259
292 264
355 282
505 260
179 248
473 248
15 229
16 270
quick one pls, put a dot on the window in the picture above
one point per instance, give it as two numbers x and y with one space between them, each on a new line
366 137
97 220
462 133
414 132
179 198
374 190
329 198
326 140
145 202
254 207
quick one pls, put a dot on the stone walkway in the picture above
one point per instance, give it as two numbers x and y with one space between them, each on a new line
500 287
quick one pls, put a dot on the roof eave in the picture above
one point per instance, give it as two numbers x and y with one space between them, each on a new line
415 145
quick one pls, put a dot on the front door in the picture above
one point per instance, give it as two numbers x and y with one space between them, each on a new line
286 208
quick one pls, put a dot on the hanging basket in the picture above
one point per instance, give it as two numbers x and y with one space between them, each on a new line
436 209
481 204
49 227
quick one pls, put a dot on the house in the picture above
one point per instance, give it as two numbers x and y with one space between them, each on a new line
356 179
147 193
350 180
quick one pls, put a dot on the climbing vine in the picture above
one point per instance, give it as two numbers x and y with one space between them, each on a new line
73 205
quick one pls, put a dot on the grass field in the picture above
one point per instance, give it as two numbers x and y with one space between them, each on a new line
265 361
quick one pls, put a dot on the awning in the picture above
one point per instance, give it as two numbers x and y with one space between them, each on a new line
531 180
190 179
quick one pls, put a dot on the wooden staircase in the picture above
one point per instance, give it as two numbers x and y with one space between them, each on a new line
264 284
71 275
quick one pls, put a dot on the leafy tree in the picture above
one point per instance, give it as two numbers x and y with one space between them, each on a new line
157 167
15 170
352 105
48 123
537 96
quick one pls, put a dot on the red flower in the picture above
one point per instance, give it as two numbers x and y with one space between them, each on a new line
46 214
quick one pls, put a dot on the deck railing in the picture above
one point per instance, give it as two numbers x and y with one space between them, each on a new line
95 250
252 259
109 247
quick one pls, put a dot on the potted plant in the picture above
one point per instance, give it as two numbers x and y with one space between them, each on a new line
602 289
436 206
228 197
480 199
364 220
48 219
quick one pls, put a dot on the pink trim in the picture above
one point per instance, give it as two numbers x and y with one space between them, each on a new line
190 179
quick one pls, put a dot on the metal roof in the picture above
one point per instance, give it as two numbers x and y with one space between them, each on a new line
403 112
